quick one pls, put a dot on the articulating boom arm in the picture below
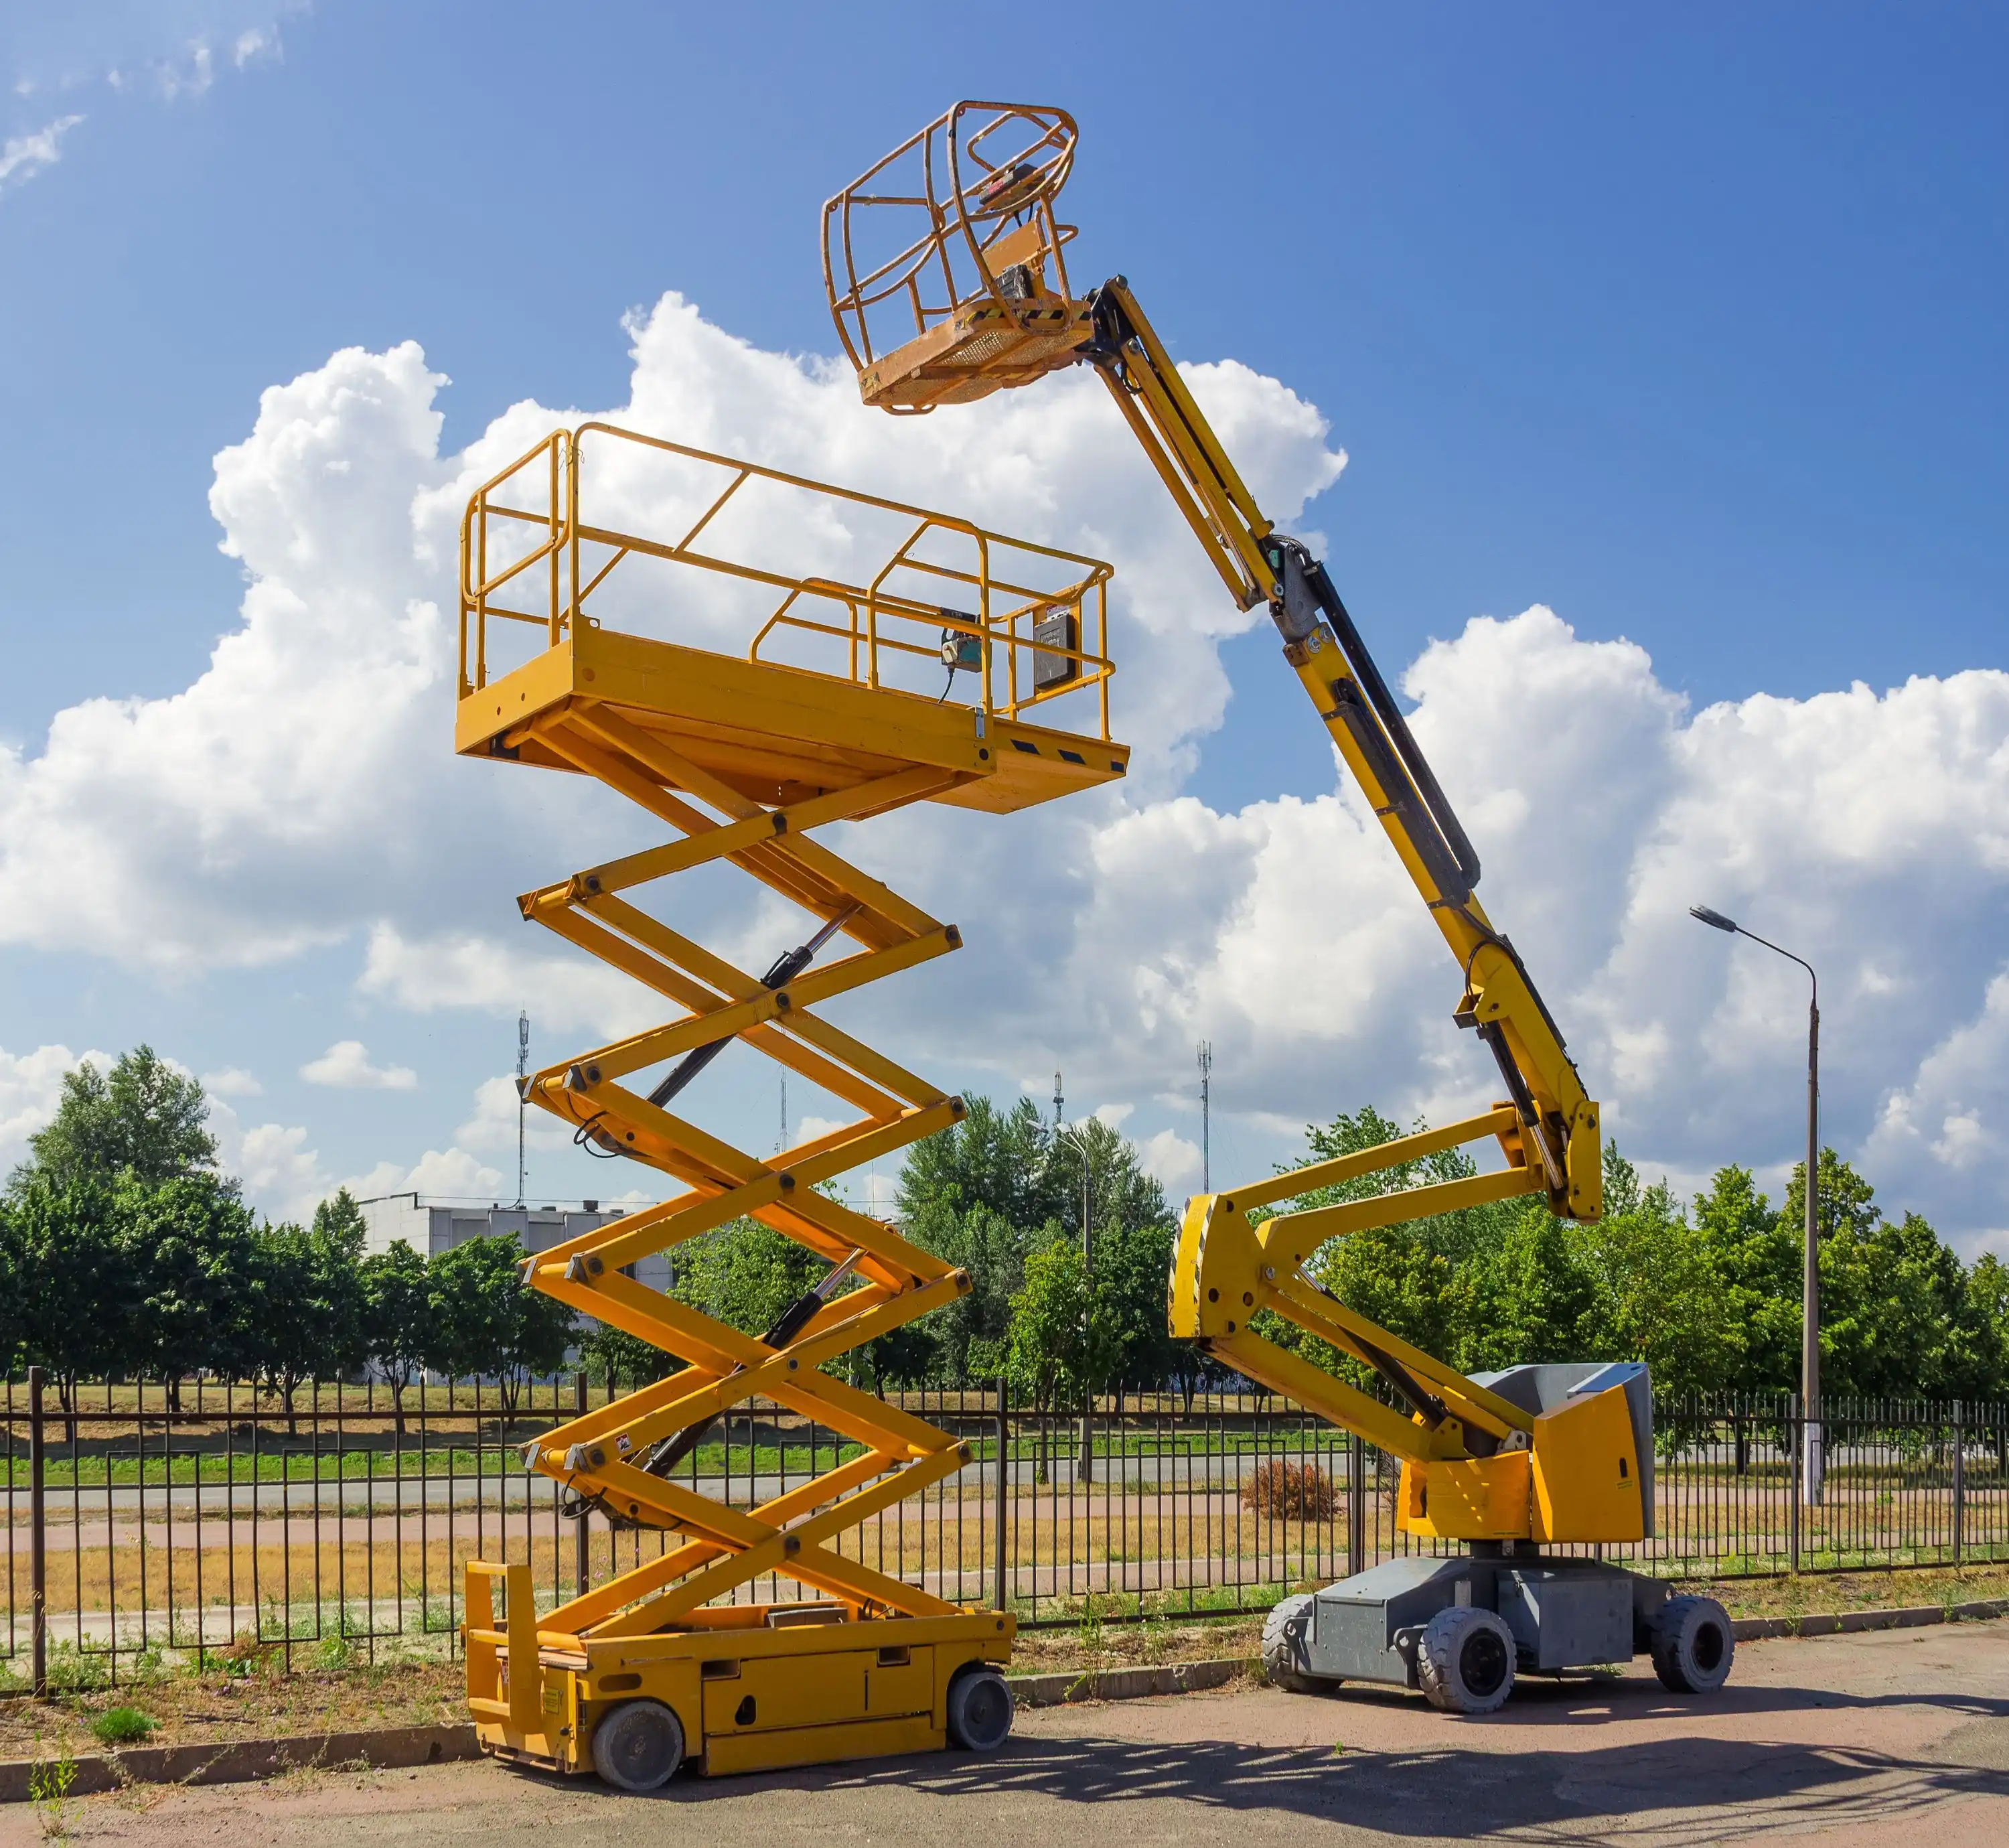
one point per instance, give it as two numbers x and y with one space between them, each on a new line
1555 1136
980 291
1230 1262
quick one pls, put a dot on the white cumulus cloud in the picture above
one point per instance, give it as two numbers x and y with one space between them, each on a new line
345 1066
301 794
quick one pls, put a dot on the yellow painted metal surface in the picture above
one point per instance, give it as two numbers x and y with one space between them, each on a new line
1586 1472
753 691
1466 1497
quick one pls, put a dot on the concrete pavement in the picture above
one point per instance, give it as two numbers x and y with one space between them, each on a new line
1892 1737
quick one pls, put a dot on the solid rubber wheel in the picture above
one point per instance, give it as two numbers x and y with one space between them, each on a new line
1465 1661
1693 1646
979 1710
1284 1649
638 1745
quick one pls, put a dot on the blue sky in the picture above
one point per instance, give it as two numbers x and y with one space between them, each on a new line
1685 325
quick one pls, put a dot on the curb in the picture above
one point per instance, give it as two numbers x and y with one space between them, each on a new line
1128 1684
1828 1623
244 1760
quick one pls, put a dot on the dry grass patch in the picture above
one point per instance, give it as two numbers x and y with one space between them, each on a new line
188 1709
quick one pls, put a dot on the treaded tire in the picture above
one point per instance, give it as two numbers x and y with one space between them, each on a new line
979 1710
1465 1661
1284 1652
1693 1646
638 1745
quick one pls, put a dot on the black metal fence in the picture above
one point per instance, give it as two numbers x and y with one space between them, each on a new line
206 1519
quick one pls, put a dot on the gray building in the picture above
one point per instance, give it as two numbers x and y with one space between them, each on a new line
432 1226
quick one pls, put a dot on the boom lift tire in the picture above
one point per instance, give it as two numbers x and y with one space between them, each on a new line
1283 1648
980 1710
1465 1661
1693 1646
638 1745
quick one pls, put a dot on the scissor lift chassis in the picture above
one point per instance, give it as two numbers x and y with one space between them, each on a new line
748 1695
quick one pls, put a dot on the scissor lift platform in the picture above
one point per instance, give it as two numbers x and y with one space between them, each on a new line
777 734
748 656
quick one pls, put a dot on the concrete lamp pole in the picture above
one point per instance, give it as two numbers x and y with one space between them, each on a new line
1810 1474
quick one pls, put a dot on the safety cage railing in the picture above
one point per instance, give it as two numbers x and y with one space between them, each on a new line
963 209
849 586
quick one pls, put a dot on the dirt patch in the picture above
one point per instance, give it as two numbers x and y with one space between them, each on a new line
189 1710
1133 1645
1824 1592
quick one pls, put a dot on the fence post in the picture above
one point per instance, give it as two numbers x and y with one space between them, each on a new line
38 1548
1356 1504
581 1537
1793 1439
999 1541
1959 1477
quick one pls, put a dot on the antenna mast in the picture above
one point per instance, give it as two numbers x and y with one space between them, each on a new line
523 1074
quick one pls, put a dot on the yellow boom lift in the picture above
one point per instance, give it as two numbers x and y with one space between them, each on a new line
947 273
749 657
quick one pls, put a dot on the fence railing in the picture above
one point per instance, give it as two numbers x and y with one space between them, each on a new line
207 1519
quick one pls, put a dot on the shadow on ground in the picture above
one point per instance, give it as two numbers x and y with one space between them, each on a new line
1680 1789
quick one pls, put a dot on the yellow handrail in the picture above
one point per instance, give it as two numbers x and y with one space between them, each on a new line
1014 583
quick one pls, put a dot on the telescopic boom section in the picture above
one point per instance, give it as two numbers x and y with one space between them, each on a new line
1234 1256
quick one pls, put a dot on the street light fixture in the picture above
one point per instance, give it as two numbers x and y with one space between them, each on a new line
1810 1477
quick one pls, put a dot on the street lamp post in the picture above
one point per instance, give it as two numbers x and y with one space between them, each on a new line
1810 1474
1084 1469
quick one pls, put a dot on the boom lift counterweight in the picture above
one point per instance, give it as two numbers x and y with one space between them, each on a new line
953 242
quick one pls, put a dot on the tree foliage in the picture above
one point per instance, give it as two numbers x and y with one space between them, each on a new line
125 1253
142 1120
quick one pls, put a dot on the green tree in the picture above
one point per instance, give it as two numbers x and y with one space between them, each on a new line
1527 1298
1661 1291
1988 1303
1896 1317
619 1355
1132 1265
995 1157
744 1274
969 1335
1063 1342
311 1324
1121 1197
1755 1254
142 1119
68 1291
398 1329
489 1324
190 1246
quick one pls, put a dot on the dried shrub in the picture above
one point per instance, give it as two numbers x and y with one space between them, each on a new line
1290 1492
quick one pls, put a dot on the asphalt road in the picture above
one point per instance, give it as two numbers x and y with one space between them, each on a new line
1899 1737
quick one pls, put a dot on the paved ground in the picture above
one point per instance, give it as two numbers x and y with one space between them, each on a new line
1900 1737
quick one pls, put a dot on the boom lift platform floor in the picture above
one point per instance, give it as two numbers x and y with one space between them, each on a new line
757 1636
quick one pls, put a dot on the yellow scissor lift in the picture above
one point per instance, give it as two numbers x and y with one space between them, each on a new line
697 634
